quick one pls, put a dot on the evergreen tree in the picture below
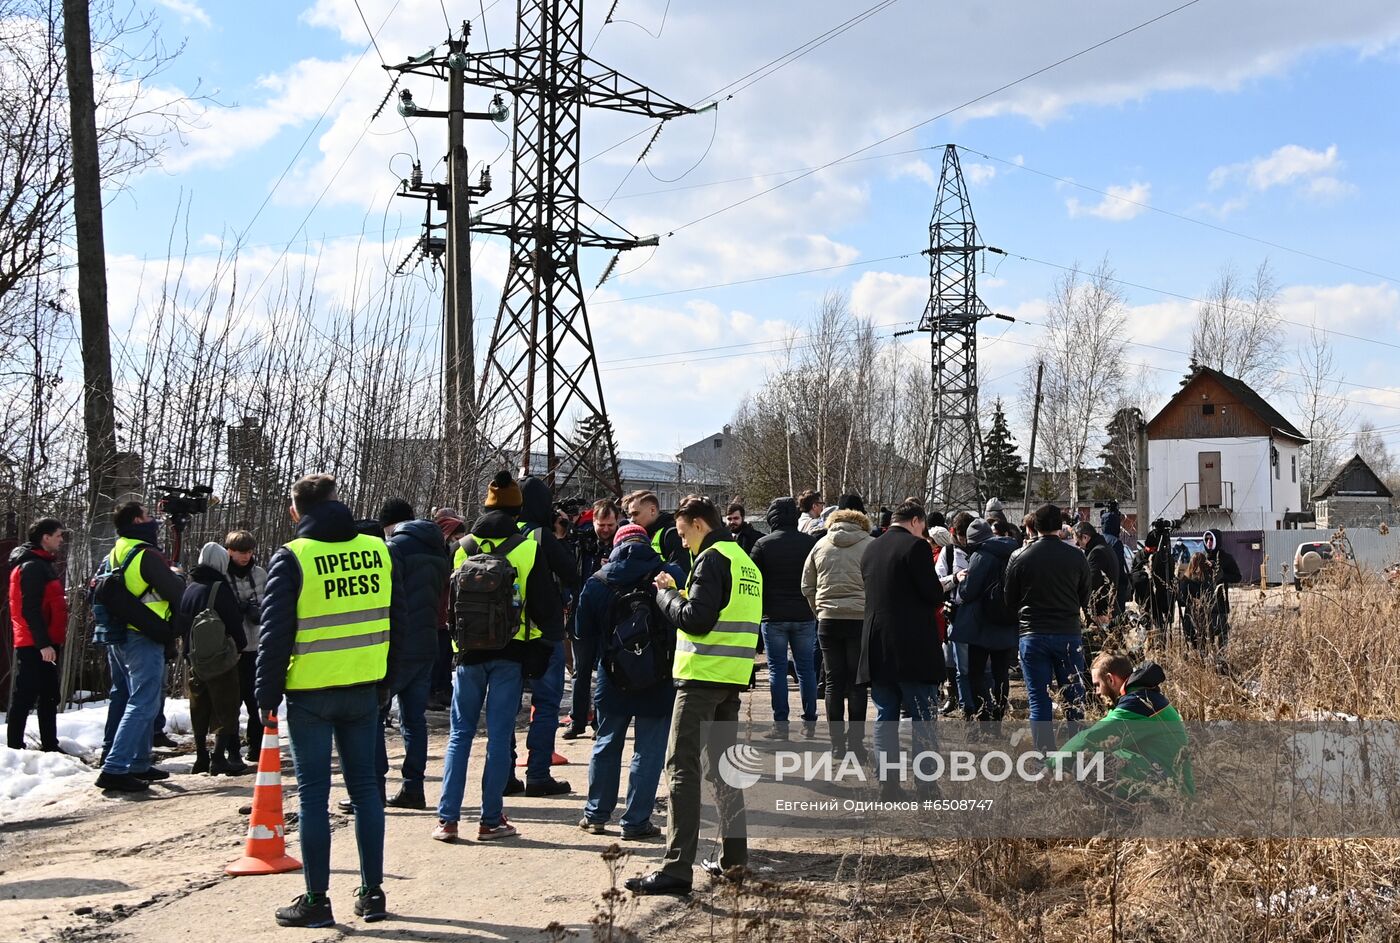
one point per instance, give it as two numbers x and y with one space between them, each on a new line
1002 472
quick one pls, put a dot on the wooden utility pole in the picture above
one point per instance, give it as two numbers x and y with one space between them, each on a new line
98 421
1035 428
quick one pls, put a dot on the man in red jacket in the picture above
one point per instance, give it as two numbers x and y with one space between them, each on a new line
39 618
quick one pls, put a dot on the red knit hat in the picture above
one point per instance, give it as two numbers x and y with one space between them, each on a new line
629 532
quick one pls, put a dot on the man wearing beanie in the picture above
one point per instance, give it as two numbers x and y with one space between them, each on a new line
492 681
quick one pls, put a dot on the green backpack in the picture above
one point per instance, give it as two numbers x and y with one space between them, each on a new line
212 652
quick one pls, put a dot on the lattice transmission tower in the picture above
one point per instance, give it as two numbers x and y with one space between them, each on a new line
540 370
953 311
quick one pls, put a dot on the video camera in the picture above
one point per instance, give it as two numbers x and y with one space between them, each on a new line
180 503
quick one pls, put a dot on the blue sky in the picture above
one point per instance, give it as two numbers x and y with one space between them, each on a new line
1256 116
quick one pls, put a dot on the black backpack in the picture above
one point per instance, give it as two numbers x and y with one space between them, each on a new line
486 597
639 650
995 611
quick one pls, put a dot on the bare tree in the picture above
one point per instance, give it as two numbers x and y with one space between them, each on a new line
1237 327
1324 411
1084 342
1368 443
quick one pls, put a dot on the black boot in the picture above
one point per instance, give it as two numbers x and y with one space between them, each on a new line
236 766
201 757
409 796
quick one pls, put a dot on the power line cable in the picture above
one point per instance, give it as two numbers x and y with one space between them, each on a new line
1183 217
943 114
760 278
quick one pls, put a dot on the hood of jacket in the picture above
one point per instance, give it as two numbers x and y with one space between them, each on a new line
1148 675
420 537
847 528
630 564
26 552
1095 540
495 524
1219 542
203 573
330 521
782 513
537 503
1000 547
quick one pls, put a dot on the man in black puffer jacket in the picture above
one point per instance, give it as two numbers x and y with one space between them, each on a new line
421 568
1047 585
788 621
547 678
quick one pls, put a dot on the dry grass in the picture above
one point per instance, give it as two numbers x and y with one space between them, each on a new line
1334 648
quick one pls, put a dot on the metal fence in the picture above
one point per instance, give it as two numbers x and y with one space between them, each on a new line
1369 546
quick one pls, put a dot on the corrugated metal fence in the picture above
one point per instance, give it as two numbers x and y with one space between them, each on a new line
1371 548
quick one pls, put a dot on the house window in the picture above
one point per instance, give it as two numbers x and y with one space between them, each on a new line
1208 409
1294 464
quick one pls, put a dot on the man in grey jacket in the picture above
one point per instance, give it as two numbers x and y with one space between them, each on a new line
835 589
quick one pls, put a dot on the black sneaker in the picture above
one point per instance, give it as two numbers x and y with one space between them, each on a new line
305 912
514 787
152 774
408 797
369 904
162 741
347 806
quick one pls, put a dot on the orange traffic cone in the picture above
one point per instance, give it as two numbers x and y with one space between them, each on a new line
266 850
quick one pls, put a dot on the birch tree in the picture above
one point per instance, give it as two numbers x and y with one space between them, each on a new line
1322 408
1237 327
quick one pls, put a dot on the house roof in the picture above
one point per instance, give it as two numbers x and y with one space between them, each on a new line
1355 466
641 469
1246 396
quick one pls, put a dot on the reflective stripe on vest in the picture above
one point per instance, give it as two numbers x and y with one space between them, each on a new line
135 584
725 653
342 636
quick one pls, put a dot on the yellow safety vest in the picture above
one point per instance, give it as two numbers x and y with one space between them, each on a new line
657 545
342 636
523 558
135 584
725 653
460 556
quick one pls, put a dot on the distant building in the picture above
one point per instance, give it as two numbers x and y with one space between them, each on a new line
1218 455
714 452
671 479
1353 497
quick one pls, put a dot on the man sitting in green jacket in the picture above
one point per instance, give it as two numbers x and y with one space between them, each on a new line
1144 732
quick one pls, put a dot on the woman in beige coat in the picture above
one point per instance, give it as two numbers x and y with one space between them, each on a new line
832 583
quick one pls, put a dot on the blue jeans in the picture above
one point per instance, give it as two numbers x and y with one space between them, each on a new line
1052 657
410 683
605 768
801 638
920 698
495 686
351 716
116 697
546 692
143 665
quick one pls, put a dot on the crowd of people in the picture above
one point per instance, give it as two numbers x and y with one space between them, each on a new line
656 616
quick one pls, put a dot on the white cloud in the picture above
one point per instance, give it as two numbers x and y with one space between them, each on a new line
978 174
890 298
919 170
188 10
1312 171
1121 203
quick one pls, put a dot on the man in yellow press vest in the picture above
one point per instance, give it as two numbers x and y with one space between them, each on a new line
717 621
325 644
138 652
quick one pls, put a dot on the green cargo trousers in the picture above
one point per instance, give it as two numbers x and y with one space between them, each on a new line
703 722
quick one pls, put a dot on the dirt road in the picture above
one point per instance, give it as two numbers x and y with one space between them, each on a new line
90 868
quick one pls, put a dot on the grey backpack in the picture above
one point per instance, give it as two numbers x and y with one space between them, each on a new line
212 652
